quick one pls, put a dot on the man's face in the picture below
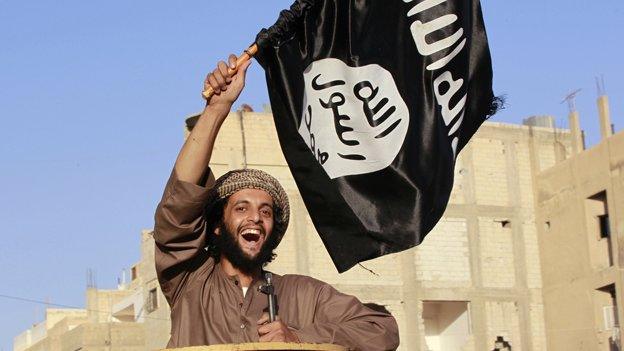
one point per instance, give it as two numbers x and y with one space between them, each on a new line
248 219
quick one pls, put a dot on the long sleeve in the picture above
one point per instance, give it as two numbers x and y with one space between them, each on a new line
179 232
343 320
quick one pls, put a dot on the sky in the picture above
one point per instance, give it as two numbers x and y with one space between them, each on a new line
93 97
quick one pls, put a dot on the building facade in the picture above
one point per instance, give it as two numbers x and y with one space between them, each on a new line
475 283
580 216
98 327
476 278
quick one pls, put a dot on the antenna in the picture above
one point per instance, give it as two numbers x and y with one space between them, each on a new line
570 99
600 85
91 280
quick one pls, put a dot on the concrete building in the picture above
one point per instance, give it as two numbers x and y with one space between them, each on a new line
133 317
475 278
580 217
479 281
95 328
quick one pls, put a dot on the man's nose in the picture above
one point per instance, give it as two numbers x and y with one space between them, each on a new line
254 216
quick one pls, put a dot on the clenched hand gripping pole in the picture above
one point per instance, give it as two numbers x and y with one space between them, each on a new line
282 30
246 56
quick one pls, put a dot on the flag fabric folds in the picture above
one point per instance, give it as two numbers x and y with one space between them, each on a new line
372 101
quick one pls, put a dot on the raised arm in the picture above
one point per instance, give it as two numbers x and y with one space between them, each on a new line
192 162
180 229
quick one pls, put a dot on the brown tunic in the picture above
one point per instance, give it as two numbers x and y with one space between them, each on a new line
208 307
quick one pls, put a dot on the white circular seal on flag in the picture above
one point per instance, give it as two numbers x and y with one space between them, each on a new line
354 119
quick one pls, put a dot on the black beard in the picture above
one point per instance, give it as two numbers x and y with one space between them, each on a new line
228 246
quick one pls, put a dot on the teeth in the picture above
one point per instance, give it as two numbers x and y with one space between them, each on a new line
251 231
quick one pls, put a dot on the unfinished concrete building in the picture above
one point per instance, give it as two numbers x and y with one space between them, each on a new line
477 282
580 216
475 279
98 327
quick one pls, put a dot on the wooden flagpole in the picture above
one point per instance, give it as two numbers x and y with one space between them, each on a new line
246 56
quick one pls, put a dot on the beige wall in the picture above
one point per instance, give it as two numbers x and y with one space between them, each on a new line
157 323
93 328
484 251
470 256
574 257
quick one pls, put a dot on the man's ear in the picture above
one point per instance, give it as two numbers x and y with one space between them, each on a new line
217 230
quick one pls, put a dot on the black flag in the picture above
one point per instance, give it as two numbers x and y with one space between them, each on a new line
372 101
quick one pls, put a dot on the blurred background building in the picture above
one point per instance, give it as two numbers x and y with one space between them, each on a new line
580 216
526 255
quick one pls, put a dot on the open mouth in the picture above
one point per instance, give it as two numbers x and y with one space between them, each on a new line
251 235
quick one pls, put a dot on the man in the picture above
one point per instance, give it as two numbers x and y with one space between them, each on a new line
213 239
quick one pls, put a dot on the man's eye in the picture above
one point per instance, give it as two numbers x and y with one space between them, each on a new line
267 212
240 209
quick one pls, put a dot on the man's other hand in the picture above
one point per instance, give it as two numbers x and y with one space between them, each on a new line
276 331
226 87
